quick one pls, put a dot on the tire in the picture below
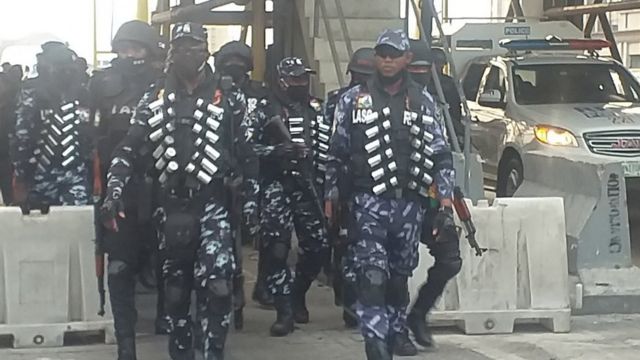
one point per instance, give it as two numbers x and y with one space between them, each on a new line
510 177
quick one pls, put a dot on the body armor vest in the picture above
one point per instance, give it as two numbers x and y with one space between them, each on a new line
189 141
59 139
391 156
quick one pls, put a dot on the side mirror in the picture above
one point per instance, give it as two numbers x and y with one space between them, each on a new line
491 98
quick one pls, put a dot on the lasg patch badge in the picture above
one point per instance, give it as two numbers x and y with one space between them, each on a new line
364 103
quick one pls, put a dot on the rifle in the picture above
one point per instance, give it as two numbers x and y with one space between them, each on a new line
99 246
276 130
233 183
465 217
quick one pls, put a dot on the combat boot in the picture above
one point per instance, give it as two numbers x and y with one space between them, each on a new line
402 345
416 321
127 348
176 354
350 319
377 349
300 287
284 320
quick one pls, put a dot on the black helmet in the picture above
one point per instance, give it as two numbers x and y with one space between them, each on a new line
439 56
142 33
363 61
421 53
56 53
234 48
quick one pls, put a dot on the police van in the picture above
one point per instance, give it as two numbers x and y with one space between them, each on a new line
542 86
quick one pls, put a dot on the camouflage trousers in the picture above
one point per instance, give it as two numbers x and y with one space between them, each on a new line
282 210
206 265
61 186
384 237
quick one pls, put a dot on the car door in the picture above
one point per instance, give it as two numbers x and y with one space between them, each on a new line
488 127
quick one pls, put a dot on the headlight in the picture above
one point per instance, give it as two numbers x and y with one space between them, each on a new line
551 135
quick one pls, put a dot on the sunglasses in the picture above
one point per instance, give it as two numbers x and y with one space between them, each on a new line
389 52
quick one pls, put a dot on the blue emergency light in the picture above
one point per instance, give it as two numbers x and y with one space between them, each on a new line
553 43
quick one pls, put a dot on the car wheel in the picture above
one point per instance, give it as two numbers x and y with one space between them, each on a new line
510 178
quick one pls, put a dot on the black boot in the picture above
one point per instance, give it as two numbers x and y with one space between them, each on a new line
284 321
300 287
187 354
377 349
127 348
416 321
350 319
403 346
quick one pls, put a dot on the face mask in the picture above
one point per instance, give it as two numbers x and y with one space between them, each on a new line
189 65
129 66
358 78
236 71
298 93
421 78
63 77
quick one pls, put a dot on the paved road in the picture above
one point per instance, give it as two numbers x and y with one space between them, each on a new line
615 337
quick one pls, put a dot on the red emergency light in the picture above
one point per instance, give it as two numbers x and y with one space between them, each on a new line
554 43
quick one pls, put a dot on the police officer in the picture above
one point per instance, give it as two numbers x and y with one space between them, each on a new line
291 138
115 92
185 133
394 149
52 144
235 59
361 67
451 95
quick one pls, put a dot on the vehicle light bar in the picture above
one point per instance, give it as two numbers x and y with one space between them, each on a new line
554 43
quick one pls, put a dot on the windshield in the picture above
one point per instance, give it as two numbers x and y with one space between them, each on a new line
573 83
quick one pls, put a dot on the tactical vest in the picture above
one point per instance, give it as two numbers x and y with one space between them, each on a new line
391 156
189 139
306 126
58 143
117 103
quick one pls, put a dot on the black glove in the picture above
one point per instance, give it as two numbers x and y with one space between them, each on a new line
444 227
112 208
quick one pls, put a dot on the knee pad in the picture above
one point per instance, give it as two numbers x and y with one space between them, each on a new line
219 296
372 286
398 291
176 295
118 268
279 252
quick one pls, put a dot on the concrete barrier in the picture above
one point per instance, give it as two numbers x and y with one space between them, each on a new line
594 191
523 275
48 285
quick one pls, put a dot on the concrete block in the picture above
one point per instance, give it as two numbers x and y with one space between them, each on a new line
48 276
511 281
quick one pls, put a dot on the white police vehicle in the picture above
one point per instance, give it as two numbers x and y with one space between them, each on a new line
546 93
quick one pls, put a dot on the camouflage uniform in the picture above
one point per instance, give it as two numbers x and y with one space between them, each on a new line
186 141
400 135
289 194
52 136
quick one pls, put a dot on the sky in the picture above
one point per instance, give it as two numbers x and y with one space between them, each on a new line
72 21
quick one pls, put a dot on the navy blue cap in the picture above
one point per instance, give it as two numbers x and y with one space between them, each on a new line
293 66
395 38
189 30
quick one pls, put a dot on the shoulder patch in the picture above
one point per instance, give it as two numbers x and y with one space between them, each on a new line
316 105
364 101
